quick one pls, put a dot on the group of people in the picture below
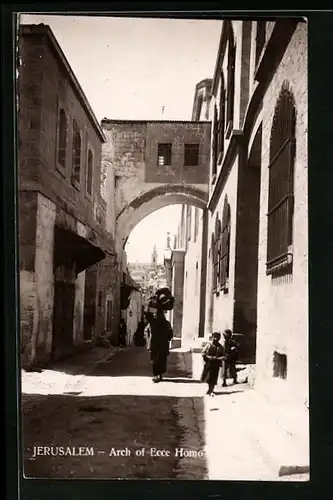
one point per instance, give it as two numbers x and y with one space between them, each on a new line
216 356
155 332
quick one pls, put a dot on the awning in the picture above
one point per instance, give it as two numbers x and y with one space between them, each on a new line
69 247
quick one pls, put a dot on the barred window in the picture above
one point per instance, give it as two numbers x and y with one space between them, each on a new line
62 138
164 154
221 120
281 185
90 163
76 154
260 39
216 253
191 155
231 80
225 246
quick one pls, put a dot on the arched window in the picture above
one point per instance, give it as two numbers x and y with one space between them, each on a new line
216 253
76 154
225 246
90 161
62 138
281 184
231 80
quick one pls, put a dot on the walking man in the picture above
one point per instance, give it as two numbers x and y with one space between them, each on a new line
213 357
231 355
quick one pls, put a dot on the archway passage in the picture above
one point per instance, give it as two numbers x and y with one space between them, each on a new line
156 198
151 164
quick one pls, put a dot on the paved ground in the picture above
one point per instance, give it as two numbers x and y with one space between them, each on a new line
101 416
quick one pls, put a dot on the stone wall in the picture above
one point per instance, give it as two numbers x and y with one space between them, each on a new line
283 302
192 282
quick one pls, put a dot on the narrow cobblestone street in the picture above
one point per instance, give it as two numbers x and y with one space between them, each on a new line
82 410
115 406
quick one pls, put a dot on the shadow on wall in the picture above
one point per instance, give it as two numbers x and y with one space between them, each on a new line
99 424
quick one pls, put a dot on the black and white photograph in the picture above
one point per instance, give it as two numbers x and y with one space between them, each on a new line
163 247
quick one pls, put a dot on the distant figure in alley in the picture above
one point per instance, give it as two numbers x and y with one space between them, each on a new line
213 357
160 330
122 333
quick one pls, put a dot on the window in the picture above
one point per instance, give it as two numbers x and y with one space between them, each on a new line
188 222
216 253
279 365
225 246
221 120
109 315
231 81
214 145
62 138
281 185
199 107
196 278
90 163
191 155
196 223
76 154
260 39
164 154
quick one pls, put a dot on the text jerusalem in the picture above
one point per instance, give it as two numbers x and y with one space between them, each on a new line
82 451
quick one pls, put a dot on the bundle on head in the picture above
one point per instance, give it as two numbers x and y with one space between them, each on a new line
162 299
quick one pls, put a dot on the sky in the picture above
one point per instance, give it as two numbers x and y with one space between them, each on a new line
131 68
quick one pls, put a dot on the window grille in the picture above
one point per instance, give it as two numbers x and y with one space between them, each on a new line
281 185
62 138
225 246
76 154
164 154
191 155
89 172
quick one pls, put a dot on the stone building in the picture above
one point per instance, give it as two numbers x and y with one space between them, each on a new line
187 264
257 236
68 267
258 252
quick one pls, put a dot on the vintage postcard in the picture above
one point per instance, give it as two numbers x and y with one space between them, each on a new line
163 247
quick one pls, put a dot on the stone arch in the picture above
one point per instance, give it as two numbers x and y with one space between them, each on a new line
152 200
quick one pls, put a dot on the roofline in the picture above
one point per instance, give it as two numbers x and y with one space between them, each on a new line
110 121
44 29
